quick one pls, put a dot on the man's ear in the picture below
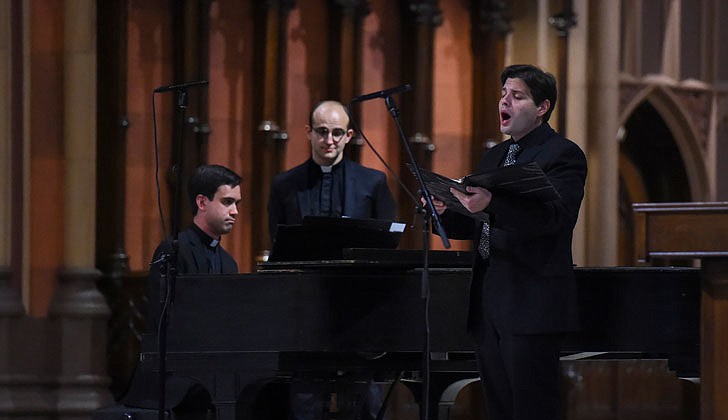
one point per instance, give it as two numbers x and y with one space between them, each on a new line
349 135
543 107
201 200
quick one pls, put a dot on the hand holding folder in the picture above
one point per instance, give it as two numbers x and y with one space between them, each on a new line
527 181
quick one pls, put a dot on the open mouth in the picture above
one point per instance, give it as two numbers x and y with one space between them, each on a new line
504 116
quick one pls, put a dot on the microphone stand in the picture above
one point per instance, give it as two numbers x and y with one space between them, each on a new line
168 272
429 215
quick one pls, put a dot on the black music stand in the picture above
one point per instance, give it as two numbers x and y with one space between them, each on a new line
321 238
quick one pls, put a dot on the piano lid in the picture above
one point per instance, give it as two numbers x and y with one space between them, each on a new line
403 259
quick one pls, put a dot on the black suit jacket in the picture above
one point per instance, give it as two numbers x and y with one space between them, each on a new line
366 195
528 282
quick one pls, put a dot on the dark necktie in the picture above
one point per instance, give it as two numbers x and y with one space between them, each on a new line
484 243
327 181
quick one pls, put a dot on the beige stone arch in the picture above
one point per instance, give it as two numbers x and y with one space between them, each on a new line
686 136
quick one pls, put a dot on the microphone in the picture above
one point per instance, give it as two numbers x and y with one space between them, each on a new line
383 93
180 86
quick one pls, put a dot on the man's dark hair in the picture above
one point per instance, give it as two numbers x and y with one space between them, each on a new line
207 179
349 125
542 84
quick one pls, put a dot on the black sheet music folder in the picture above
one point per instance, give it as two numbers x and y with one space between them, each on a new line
526 181
325 238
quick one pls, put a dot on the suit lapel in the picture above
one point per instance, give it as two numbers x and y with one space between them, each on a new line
349 189
305 193
493 158
197 252
304 202
528 154
536 146
536 143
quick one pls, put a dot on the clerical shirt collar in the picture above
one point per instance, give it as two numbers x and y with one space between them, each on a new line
205 238
329 168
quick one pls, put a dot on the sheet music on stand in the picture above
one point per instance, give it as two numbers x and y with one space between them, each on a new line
325 238
527 181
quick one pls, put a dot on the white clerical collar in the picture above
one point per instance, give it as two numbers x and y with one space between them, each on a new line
326 169
204 237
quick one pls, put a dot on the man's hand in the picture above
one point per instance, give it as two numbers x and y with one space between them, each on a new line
440 206
476 200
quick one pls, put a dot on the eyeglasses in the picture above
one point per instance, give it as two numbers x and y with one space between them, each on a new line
336 133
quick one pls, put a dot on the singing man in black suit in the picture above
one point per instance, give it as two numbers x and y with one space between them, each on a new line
523 292
327 184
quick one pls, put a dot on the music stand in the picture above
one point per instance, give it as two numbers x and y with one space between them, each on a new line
325 238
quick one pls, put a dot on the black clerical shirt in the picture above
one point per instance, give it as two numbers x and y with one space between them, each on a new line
326 192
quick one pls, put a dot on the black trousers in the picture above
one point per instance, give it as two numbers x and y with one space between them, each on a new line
520 374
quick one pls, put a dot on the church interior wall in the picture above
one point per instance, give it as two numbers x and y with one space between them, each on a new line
696 112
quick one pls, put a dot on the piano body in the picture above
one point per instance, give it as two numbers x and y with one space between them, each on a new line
366 316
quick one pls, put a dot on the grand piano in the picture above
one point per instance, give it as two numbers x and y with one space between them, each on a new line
364 314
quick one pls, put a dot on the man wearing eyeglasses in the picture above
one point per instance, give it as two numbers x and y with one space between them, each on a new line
327 184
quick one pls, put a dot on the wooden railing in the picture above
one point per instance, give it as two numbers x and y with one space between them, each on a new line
700 231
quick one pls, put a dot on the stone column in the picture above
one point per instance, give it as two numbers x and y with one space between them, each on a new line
421 18
345 48
575 106
78 312
271 20
490 28
11 307
563 22
602 201
5 132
